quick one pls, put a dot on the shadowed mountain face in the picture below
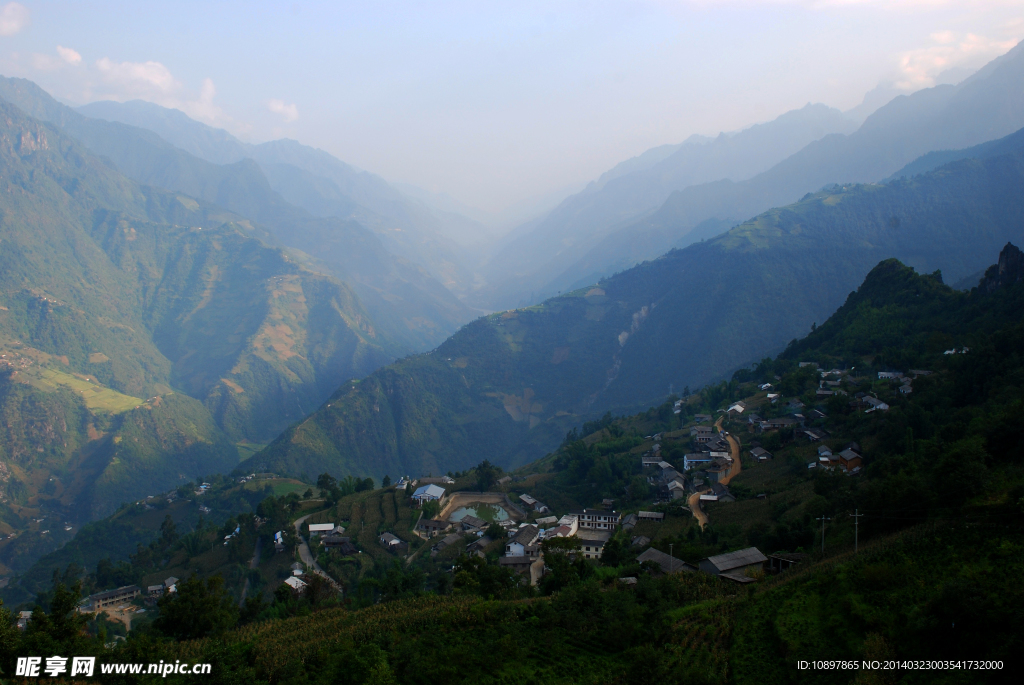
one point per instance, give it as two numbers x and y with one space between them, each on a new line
410 308
142 334
988 105
509 384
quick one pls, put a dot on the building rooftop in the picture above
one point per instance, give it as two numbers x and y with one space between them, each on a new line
429 491
667 563
743 557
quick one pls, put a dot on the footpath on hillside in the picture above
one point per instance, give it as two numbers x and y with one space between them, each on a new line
734 448
307 557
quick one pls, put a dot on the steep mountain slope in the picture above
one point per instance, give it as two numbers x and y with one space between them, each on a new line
641 185
988 105
409 307
142 333
508 384
317 182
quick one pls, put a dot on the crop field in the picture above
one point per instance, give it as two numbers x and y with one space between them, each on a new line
97 398
281 486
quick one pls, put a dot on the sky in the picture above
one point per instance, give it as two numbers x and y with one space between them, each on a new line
495 104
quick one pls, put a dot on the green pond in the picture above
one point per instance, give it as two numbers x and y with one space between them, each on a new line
488 512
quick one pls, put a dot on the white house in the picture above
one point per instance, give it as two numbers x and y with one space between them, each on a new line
427 493
296 584
570 521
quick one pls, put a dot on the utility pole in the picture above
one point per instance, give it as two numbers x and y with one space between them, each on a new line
823 520
856 522
670 558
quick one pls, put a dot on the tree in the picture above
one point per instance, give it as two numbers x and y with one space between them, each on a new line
326 482
486 474
318 589
168 532
197 609
386 482
431 509
616 553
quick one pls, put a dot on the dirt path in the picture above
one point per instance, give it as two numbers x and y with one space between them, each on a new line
734 446
698 513
307 556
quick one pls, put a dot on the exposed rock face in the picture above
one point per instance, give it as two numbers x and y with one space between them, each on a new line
1010 269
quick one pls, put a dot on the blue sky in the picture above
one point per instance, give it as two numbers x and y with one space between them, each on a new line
495 103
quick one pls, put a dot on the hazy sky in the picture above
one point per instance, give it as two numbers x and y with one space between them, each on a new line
494 102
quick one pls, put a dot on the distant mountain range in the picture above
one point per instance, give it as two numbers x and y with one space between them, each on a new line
322 185
508 385
409 306
637 187
572 246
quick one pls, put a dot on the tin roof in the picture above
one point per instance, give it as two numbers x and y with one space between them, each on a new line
743 557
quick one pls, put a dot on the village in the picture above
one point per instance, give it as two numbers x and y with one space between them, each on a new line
516 525
441 519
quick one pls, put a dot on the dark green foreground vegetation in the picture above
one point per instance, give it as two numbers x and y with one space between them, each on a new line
936 576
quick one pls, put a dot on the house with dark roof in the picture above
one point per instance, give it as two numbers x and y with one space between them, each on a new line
734 565
850 461
761 454
470 523
393 543
640 541
722 493
431 527
524 543
339 542
446 542
531 568
667 564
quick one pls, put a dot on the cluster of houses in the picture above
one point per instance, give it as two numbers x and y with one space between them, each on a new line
905 381
123 596
333 537
848 460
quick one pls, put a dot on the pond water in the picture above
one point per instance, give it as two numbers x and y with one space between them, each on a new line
488 512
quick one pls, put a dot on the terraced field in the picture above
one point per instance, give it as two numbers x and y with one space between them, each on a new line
97 397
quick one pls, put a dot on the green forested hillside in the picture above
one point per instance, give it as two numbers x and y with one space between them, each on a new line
509 383
144 332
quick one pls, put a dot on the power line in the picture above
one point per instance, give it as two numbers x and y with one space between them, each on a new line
823 519
856 524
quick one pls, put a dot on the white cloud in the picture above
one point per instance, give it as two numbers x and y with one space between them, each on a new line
289 112
138 78
68 55
204 108
919 68
13 18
